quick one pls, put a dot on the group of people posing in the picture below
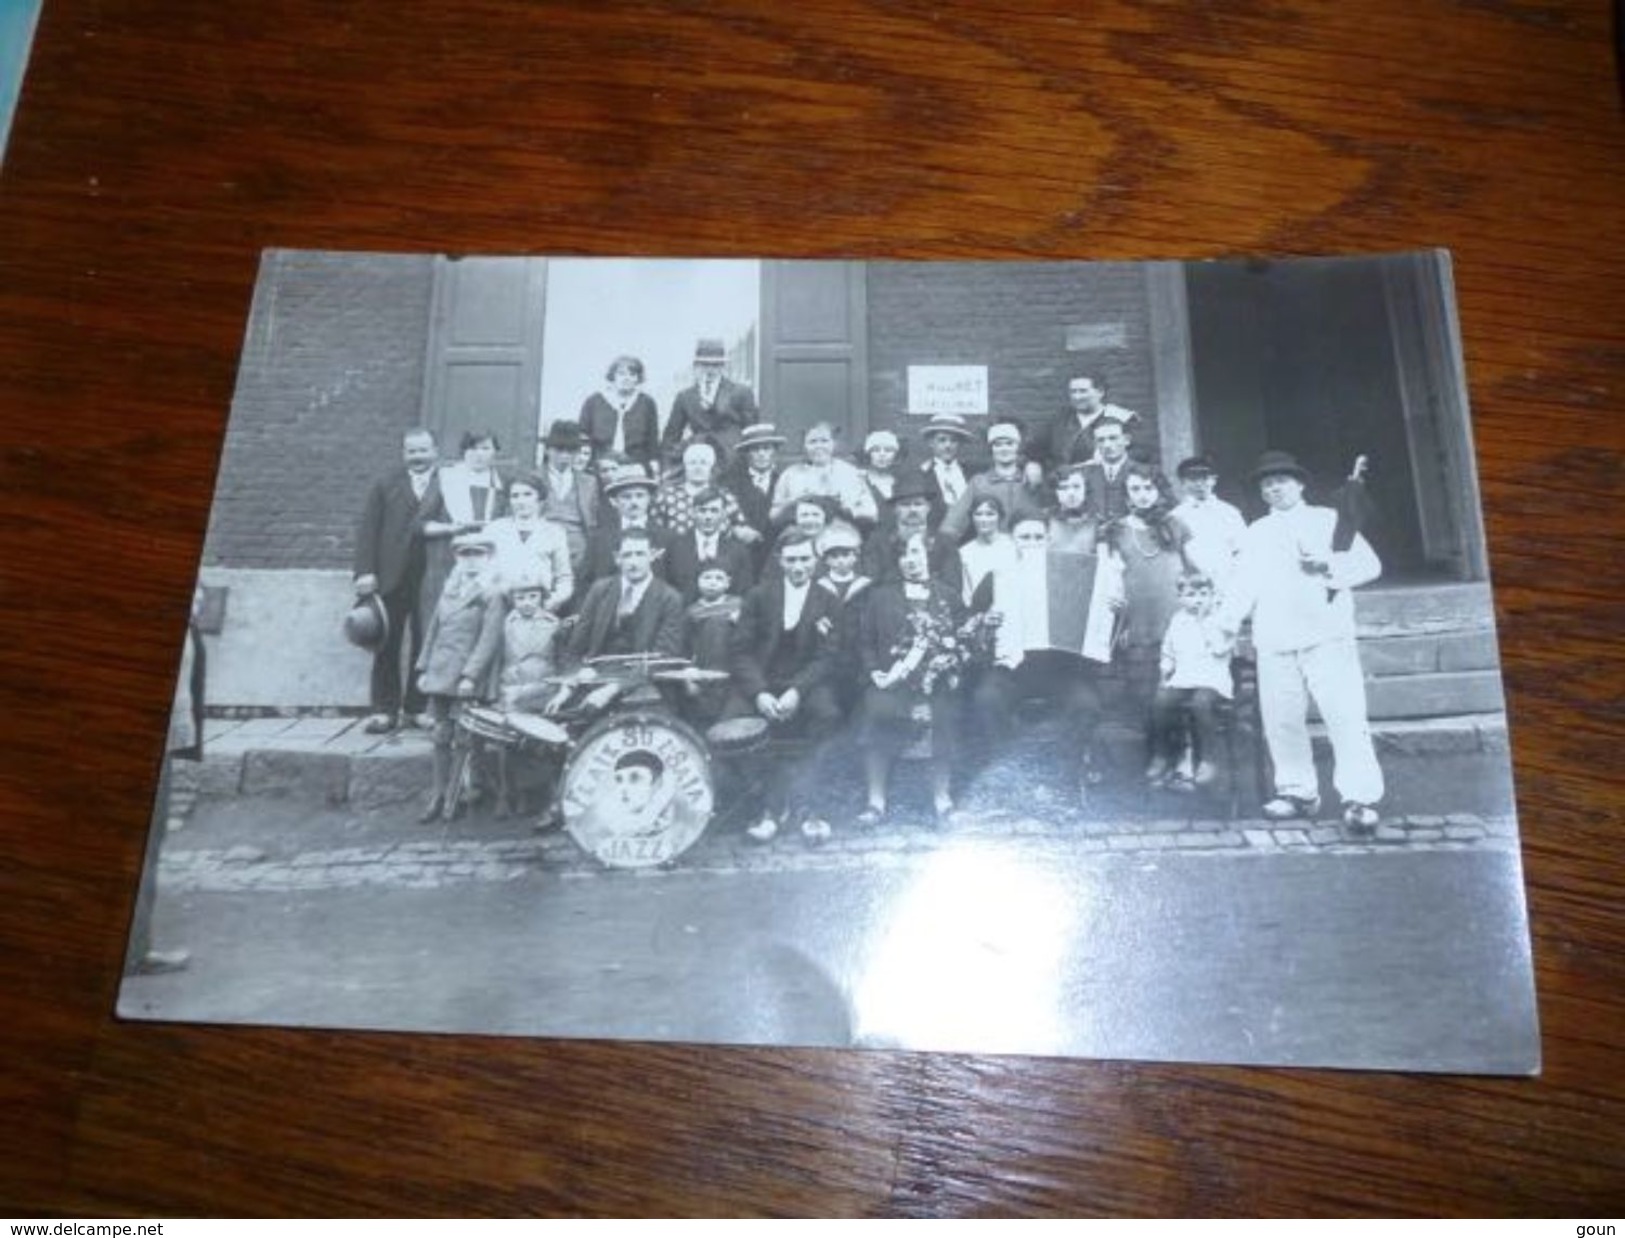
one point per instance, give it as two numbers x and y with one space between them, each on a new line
859 600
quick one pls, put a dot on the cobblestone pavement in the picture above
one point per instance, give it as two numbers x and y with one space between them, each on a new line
419 863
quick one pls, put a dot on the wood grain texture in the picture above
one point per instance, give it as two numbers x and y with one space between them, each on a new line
160 145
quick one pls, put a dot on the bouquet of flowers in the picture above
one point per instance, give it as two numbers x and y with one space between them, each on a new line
936 650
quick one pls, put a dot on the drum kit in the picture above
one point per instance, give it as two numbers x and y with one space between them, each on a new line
636 787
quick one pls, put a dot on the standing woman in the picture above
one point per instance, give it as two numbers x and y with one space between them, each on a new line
623 417
990 549
820 473
900 630
1150 542
529 547
471 493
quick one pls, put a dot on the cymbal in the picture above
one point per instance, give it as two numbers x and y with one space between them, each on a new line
690 674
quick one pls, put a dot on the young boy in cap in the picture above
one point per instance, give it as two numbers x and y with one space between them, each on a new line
1298 591
529 657
1215 526
838 549
459 648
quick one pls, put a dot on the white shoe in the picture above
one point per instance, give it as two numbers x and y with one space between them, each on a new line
764 831
815 830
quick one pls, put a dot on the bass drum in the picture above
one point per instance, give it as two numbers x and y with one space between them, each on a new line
637 789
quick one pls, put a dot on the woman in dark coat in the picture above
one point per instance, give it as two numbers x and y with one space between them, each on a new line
622 417
899 631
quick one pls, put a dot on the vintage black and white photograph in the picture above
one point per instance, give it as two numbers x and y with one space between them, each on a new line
1085 659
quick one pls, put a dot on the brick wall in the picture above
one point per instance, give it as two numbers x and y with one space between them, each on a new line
332 373
1013 318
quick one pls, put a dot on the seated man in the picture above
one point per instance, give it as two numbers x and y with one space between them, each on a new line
1055 637
783 662
630 612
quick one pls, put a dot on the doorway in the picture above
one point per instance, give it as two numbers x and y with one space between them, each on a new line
1331 359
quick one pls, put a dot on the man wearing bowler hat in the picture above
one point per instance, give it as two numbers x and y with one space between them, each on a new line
1297 590
389 562
910 517
715 406
569 493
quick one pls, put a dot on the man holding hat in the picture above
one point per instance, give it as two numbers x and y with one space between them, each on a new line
715 406
569 494
944 476
1216 527
631 491
1297 590
389 563
1005 480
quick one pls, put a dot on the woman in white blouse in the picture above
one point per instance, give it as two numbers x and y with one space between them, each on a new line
821 473
529 547
990 550
471 494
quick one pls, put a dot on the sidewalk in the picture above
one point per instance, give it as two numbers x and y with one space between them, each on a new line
1434 766
290 804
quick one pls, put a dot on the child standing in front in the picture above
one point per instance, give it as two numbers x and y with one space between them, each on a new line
711 620
1195 678
1150 542
529 659
459 648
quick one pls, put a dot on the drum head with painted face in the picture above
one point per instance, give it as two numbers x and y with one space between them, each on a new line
637 791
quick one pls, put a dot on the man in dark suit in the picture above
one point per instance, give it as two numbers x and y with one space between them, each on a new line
715 407
1104 478
752 478
630 612
389 560
784 648
1069 436
708 543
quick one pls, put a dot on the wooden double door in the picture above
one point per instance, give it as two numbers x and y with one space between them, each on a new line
485 354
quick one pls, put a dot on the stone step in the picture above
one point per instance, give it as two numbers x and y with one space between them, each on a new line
1383 656
1408 610
1440 694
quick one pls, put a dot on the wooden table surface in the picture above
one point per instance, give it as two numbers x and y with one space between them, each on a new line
160 145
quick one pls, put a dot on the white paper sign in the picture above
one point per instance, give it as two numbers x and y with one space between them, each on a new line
936 389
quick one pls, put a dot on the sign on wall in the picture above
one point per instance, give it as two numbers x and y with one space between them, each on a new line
936 389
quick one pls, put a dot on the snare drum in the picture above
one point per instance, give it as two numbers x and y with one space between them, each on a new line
736 736
484 722
637 789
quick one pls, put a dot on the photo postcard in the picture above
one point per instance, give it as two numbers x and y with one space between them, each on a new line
1082 659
